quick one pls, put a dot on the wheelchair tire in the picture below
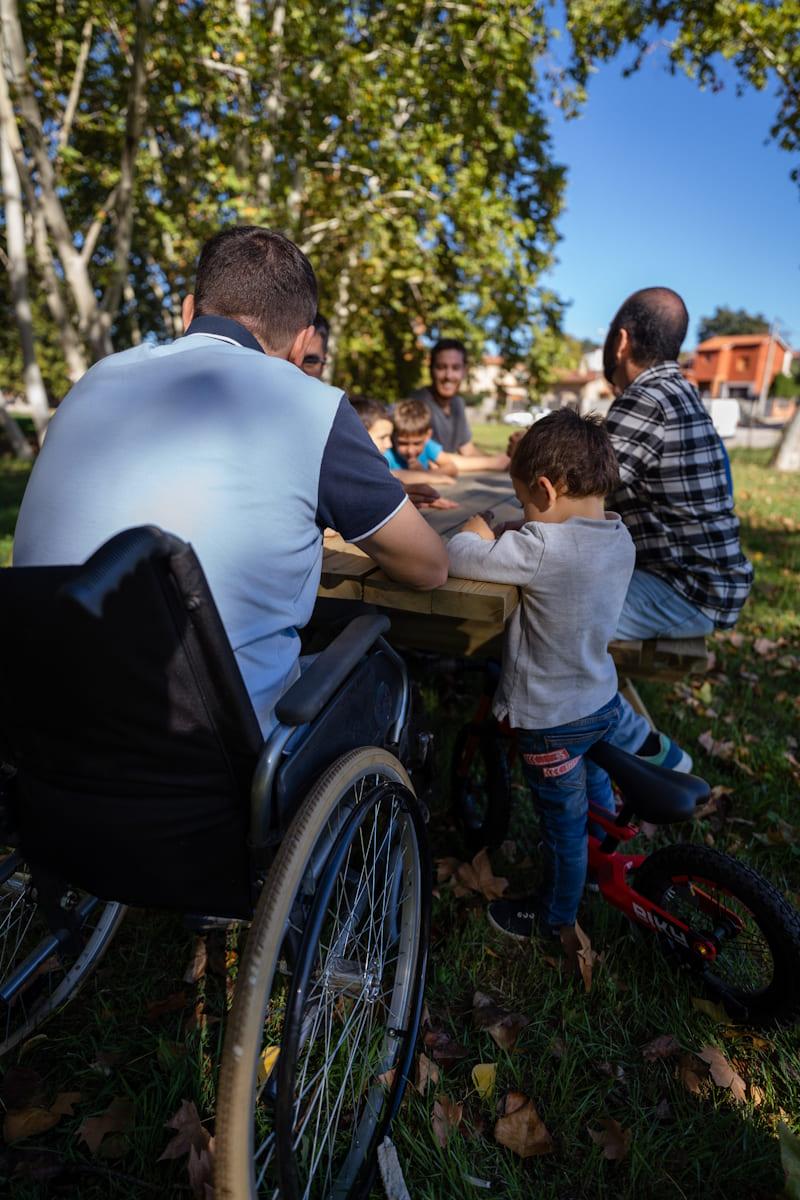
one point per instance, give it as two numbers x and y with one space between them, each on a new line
480 786
351 879
36 978
756 974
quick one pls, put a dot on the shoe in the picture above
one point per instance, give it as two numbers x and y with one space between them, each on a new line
519 919
669 755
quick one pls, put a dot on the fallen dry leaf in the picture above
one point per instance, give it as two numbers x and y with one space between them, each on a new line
443 1048
64 1103
199 961
189 1131
427 1073
200 1166
580 955
716 749
782 834
722 1072
386 1078
502 1025
615 1140
478 876
691 1073
763 646
521 1129
715 1011
661 1047
118 1118
446 868
26 1122
172 1003
663 1110
446 1118
483 1078
756 1095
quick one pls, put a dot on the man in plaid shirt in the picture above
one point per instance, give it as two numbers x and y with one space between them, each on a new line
675 497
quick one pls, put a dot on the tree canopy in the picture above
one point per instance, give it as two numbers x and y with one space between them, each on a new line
731 320
405 146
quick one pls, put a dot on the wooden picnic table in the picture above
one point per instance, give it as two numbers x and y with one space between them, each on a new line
464 617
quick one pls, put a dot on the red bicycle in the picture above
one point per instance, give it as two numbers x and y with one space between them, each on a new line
711 913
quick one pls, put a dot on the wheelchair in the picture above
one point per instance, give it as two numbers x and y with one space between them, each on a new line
135 773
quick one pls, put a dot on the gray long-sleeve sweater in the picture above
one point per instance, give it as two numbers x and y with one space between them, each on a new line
573 577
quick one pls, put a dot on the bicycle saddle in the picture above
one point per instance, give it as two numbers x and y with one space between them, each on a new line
653 793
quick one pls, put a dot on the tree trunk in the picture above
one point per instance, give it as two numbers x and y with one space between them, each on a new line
339 316
20 446
35 393
275 106
134 124
787 456
75 270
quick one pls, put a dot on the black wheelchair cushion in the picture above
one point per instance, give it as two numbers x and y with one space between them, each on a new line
122 706
653 793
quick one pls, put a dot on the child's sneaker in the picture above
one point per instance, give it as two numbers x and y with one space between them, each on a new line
519 919
669 755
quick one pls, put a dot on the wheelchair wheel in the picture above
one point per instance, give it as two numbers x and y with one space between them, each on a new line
756 971
39 969
329 993
480 785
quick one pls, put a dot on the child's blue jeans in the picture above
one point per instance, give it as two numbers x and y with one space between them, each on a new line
563 782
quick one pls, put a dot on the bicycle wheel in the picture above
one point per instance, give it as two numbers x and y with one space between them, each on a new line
480 785
39 969
756 971
318 1049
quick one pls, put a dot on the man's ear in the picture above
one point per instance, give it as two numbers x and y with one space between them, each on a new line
622 349
300 345
187 311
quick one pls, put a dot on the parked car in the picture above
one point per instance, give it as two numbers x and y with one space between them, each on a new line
526 416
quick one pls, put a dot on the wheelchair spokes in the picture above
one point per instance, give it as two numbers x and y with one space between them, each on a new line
338 1029
42 964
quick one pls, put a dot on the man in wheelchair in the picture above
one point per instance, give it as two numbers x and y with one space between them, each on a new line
167 752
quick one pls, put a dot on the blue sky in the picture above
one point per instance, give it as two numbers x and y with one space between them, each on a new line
671 185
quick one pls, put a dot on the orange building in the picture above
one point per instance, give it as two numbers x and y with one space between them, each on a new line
734 366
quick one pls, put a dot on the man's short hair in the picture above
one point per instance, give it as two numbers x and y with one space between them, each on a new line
411 418
323 328
259 278
448 344
369 411
656 321
575 453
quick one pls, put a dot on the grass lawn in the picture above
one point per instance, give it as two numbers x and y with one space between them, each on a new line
580 1057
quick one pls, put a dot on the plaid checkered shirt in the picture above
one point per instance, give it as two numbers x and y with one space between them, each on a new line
674 495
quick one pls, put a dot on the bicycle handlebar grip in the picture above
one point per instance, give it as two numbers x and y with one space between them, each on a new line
109 567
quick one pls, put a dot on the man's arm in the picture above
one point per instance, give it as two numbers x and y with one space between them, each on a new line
408 550
469 458
635 424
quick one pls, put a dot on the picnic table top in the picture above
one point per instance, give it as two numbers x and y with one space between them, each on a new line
465 617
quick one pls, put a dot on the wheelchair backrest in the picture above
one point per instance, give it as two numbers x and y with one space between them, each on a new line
124 712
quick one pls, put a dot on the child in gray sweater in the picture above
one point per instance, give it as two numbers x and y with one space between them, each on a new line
573 563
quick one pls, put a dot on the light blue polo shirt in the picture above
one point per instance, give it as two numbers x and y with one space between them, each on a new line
229 448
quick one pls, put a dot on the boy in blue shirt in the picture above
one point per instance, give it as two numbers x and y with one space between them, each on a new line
412 446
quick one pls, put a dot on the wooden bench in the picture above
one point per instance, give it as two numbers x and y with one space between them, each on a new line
659 659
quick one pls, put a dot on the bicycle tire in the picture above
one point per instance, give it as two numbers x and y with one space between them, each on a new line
305 851
480 786
768 987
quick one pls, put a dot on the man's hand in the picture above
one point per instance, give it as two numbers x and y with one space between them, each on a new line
478 524
514 441
422 495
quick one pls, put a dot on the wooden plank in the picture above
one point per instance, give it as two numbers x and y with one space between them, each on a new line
474 601
447 636
380 589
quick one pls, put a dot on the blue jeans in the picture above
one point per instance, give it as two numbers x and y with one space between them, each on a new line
562 783
652 609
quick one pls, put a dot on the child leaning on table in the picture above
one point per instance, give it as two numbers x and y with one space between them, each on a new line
558 687
412 445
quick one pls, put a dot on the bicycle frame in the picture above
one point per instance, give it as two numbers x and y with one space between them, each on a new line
612 871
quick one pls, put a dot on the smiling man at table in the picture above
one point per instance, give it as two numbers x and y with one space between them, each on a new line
221 439
448 366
